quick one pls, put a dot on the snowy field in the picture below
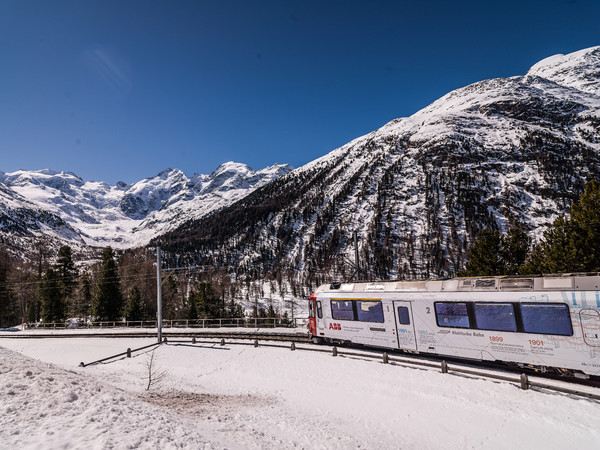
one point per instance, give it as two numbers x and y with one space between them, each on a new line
244 397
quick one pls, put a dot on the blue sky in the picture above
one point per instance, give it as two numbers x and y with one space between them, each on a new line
120 90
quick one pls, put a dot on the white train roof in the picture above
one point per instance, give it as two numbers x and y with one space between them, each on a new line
559 282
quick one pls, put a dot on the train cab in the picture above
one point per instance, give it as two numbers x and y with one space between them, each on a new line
314 313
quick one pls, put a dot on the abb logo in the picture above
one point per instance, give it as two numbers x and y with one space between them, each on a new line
335 326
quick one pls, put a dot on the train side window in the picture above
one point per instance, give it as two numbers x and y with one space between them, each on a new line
452 314
369 311
546 318
319 310
311 309
495 316
403 315
342 310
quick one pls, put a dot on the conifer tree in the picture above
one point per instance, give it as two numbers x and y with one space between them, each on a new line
66 270
585 230
108 299
554 253
495 253
8 313
235 310
134 305
208 304
514 250
83 306
572 244
53 306
192 310
484 257
170 294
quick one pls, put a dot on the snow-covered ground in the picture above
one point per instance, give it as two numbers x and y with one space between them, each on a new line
237 396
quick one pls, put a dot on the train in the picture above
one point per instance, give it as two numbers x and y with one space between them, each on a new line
547 323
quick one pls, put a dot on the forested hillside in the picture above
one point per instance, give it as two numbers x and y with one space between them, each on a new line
498 154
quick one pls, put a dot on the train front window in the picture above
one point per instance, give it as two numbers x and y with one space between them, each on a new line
548 318
452 314
342 310
495 316
370 311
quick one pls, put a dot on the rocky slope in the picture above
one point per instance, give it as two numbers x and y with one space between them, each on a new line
498 153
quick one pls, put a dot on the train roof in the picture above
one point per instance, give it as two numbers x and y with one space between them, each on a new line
558 282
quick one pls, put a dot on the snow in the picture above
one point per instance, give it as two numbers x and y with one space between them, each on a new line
125 216
238 396
578 69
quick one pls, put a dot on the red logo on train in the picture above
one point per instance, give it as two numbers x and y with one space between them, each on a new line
335 326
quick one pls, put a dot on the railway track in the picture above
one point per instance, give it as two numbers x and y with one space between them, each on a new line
291 337
523 377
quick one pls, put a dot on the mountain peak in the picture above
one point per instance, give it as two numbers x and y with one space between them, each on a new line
232 166
121 215
580 69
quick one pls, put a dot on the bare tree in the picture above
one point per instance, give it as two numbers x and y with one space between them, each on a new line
152 373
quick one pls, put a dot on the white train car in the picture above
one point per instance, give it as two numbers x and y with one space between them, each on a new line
549 323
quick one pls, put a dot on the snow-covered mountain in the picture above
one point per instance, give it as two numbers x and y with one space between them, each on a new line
502 152
62 205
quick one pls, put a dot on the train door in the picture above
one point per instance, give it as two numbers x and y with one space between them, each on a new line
312 320
316 326
320 321
590 322
405 327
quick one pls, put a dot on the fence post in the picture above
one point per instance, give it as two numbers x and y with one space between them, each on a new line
256 342
193 340
524 382
129 353
335 352
223 342
444 367
385 358
293 346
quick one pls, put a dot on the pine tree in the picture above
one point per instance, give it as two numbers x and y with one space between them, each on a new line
192 310
170 294
134 305
494 253
66 269
235 310
83 306
514 250
108 299
8 311
554 253
53 306
208 304
67 273
585 231
484 257
572 244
